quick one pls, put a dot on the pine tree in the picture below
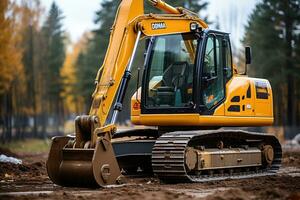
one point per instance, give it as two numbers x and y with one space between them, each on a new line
54 56
91 58
30 13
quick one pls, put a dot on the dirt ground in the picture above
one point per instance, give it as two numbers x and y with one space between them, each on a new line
30 181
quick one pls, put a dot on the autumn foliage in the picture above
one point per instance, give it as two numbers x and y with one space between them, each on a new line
32 54
46 79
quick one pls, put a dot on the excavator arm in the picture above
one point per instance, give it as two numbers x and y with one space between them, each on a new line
130 26
89 159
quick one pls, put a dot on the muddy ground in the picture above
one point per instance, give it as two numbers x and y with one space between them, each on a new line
30 181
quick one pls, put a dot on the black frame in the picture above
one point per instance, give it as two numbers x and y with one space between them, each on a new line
203 109
161 110
231 60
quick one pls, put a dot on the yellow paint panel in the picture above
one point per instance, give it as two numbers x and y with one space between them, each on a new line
220 111
264 107
169 25
197 120
237 88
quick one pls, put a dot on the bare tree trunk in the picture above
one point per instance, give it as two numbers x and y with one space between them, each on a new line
2 131
289 66
8 116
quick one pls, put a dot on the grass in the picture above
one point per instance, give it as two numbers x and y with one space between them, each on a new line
31 146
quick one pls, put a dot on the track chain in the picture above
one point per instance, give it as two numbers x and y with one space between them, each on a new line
168 155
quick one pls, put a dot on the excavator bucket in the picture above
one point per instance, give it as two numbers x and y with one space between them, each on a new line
82 167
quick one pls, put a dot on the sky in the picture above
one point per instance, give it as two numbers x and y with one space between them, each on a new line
232 15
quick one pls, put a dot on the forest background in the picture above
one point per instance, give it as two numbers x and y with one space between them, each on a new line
46 80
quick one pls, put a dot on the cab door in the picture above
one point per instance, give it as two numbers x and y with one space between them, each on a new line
212 74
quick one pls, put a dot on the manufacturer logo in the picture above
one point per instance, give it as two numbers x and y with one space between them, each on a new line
158 25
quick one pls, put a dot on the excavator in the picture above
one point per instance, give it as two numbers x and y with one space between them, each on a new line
189 96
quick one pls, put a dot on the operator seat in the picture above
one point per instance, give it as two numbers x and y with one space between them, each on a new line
174 79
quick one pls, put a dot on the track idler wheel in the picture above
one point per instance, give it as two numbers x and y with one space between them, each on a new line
268 154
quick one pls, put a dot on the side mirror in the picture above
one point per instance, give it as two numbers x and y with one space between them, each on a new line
248 55
247 58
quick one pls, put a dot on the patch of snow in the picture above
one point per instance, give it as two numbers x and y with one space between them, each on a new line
115 186
293 144
6 159
290 171
200 193
25 193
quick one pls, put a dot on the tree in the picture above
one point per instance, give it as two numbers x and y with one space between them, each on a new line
72 101
54 56
271 32
29 15
11 68
92 56
10 53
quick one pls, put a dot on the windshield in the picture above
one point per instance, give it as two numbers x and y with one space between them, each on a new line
170 71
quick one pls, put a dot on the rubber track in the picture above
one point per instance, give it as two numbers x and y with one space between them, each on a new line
169 150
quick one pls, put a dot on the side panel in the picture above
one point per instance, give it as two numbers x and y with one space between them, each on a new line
249 97
263 97
240 99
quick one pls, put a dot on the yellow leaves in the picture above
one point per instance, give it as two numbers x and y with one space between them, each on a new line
69 76
10 51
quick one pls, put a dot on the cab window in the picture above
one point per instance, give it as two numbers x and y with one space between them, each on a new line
170 71
228 60
212 73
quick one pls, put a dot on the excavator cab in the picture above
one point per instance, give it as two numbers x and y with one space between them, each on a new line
185 72
190 80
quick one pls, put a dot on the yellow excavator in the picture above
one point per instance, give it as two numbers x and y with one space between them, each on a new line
190 89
